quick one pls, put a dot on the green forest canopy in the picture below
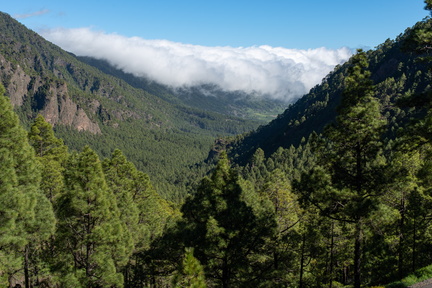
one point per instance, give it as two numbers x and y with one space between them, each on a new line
351 206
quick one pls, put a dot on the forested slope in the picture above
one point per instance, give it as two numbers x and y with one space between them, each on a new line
87 106
348 207
396 73
72 211
203 97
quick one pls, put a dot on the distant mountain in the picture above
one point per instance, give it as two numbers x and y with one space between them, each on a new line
205 97
396 75
167 132
162 134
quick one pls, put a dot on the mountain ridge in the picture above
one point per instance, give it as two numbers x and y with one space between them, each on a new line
204 97
89 107
163 134
396 74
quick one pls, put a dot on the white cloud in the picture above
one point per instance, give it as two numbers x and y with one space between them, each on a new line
28 15
277 72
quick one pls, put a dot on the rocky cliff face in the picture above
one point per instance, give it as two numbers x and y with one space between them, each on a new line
15 81
51 99
60 109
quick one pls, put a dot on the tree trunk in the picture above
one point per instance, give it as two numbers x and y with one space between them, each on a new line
357 255
358 228
126 274
26 267
331 256
302 261
401 241
88 244
225 273
414 248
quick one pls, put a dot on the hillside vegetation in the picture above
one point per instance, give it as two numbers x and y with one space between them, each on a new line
204 97
161 135
335 192
396 74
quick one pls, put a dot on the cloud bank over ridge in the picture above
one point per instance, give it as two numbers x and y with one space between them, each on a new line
277 72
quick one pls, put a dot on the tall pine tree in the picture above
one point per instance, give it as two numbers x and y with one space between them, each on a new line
91 233
51 153
349 177
26 215
228 225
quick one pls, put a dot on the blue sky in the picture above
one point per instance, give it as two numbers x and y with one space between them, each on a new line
300 24
275 48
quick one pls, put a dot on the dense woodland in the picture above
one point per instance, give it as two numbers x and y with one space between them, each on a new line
149 124
346 203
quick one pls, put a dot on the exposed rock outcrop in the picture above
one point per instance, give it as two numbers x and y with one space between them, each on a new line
60 109
16 81
51 99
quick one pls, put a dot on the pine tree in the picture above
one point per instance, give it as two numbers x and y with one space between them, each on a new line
91 233
26 215
190 273
288 214
428 5
142 210
154 211
51 153
349 177
419 211
416 142
43 140
419 39
119 176
403 168
228 225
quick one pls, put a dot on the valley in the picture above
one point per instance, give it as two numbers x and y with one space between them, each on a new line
112 180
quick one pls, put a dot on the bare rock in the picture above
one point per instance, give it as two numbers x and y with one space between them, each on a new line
55 103
16 81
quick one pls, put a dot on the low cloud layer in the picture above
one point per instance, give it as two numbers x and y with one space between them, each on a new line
276 72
